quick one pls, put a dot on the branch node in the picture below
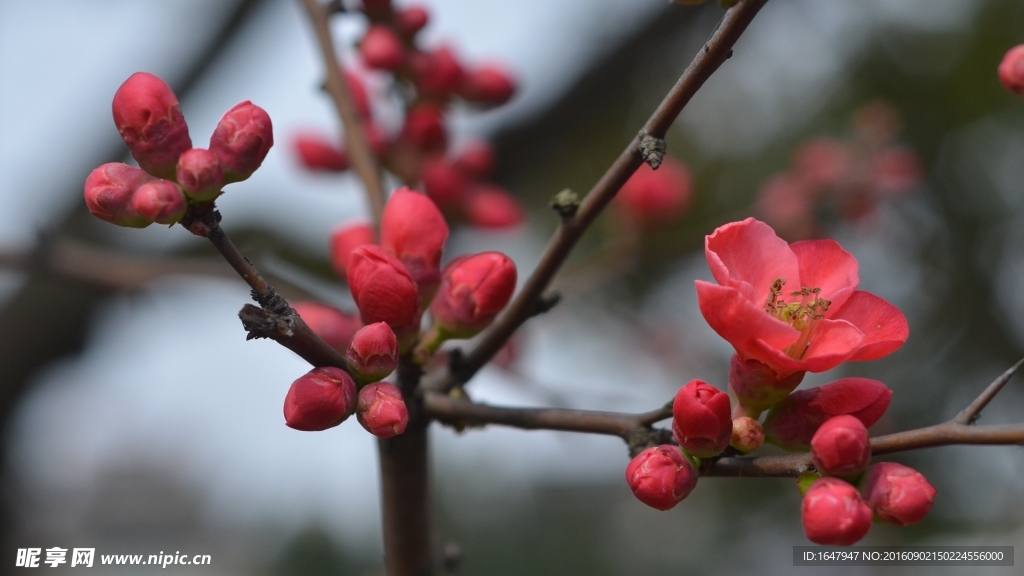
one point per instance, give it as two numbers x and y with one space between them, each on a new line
566 203
457 367
640 438
546 302
260 323
652 149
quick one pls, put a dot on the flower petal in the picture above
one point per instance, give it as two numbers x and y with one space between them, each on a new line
824 264
749 256
884 326
832 343
739 321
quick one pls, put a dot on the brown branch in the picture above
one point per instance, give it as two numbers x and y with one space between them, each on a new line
205 222
970 414
355 134
633 427
717 50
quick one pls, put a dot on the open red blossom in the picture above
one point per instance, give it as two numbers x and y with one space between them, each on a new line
414 229
792 423
794 307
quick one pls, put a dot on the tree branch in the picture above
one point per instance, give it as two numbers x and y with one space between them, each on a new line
355 135
970 414
717 50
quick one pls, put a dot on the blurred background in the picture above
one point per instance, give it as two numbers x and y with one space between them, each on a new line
137 419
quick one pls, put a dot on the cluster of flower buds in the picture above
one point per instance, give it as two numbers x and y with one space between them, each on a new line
419 153
1011 70
393 282
172 174
834 178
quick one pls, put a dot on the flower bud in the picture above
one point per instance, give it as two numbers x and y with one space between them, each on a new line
382 49
747 434
841 446
160 201
333 326
344 240
373 353
241 140
898 494
384 291
200 174
444 182
415 231
381 410
424 127
147 115
491 85
1011 70
661 477
490 206
108 194
701 419
834 514
757 387
656 197
436 73
411 20
792 423
318 154
473 290
477 159
321 399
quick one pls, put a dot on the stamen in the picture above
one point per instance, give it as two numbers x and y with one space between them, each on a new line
802 313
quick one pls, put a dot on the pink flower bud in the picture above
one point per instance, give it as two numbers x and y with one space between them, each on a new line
424 127
1011 70
345 239
792 423
333 326
411 20
701 419
661 477
382 48
444 182
384 291
656 197
373 353
147 115
316 153
833 513
823 162
895 170
477 159
490 84
490 206
841 446
360 97
473 290
382 410
200 174
757 387
108 194
241 140
160 201
898 494
747 434
415 231
320 399
437 73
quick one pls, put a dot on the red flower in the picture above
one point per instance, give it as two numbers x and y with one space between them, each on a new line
653 197
833 513
241 140
473 290
898 494
701 419
320 399
382 48
489 84
373 353
661 477
381 410
344 240
794 307
414 230
1011 70
317 153
490 206
147 115
792 423
384 291
200 174
841 446
333 326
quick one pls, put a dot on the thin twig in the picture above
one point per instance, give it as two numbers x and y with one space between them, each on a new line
355 134
717 50
970 414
